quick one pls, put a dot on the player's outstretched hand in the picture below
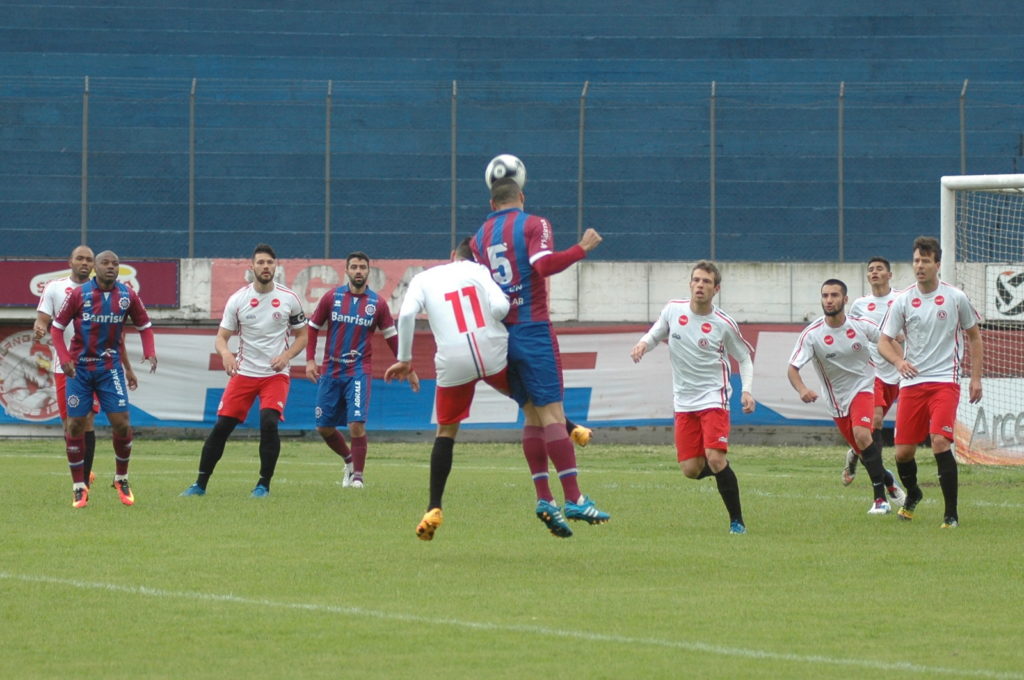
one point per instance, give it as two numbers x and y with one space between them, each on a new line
312 371
398 371
638 351
591 239
152 363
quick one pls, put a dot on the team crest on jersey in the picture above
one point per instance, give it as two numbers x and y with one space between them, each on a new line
856 346
278 316
939 300
124 303
942 314
26 383
829 340
275 303
254 302
703 343
318 413
73 401
915 303
705 327
371 309
683 319
850 333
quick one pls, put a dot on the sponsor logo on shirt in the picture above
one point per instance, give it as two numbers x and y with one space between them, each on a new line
871 306
829 339
939 300
683 320
102 318
850 333
915 303
254 302
275 303
337 317
705 327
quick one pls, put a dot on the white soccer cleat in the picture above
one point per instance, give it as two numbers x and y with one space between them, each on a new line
346 480
850 469
897 495
356 484
880 507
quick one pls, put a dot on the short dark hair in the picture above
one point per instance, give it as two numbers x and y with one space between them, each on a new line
357 255
463 251
505 190
263 248
928 245
708 266
879 258
835 282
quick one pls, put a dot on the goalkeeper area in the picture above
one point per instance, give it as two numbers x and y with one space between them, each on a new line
317 581
983 235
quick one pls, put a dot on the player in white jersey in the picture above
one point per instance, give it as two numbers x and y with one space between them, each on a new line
262 314
840 348
874 306
933 317
80 263
464 307
701 337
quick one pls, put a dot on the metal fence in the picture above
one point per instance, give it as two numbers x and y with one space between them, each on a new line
731 171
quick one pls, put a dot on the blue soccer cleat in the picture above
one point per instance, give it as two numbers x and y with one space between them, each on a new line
585 510
550 514
260 491
194 490
737 527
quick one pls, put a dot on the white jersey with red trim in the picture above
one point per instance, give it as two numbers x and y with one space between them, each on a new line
933 324
262 321
464 307
50 303
699 347
841 358
875 307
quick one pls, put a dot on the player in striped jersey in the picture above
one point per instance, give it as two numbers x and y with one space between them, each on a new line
262 314
701 337
518 249
349 314
97 310
933 317
839 345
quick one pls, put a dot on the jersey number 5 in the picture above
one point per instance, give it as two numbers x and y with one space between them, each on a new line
469 293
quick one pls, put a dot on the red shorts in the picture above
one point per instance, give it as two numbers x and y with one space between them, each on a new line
926 408
861 414
242 391
453 402
60 381
698 431
885 395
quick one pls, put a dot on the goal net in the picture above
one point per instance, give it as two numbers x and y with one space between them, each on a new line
983 238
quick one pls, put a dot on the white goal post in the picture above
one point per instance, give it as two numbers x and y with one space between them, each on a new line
982 240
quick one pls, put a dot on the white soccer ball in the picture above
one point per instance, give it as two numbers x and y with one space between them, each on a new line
505 165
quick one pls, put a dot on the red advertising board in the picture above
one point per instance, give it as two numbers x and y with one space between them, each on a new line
155 280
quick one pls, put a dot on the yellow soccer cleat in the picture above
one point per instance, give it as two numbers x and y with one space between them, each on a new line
581 435
429 524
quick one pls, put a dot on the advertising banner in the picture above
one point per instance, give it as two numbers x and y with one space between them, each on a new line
155 280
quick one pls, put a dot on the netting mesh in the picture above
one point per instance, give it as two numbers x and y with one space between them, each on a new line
989 228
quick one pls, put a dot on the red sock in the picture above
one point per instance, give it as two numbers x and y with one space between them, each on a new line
359 447
537 460
336 443
75 447
563 457
122 452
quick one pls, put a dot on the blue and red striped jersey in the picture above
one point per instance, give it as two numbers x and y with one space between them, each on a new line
508 244
99 316
350 320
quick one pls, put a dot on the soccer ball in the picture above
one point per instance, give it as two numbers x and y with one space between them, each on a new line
505 165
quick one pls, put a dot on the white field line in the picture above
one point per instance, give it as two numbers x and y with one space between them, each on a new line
886 666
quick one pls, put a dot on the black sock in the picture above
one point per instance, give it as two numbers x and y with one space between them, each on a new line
908 475
213 448
729 489
872 459
270 445
706 472
440 467
90 452
948 481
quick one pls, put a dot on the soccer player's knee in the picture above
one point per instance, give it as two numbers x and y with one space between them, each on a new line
268 420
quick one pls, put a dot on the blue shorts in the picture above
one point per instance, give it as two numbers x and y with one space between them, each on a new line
534 364
107 384
344 400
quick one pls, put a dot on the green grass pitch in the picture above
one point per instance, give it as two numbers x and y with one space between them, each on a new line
317 581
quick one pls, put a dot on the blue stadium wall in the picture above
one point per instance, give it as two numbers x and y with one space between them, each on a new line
262 75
